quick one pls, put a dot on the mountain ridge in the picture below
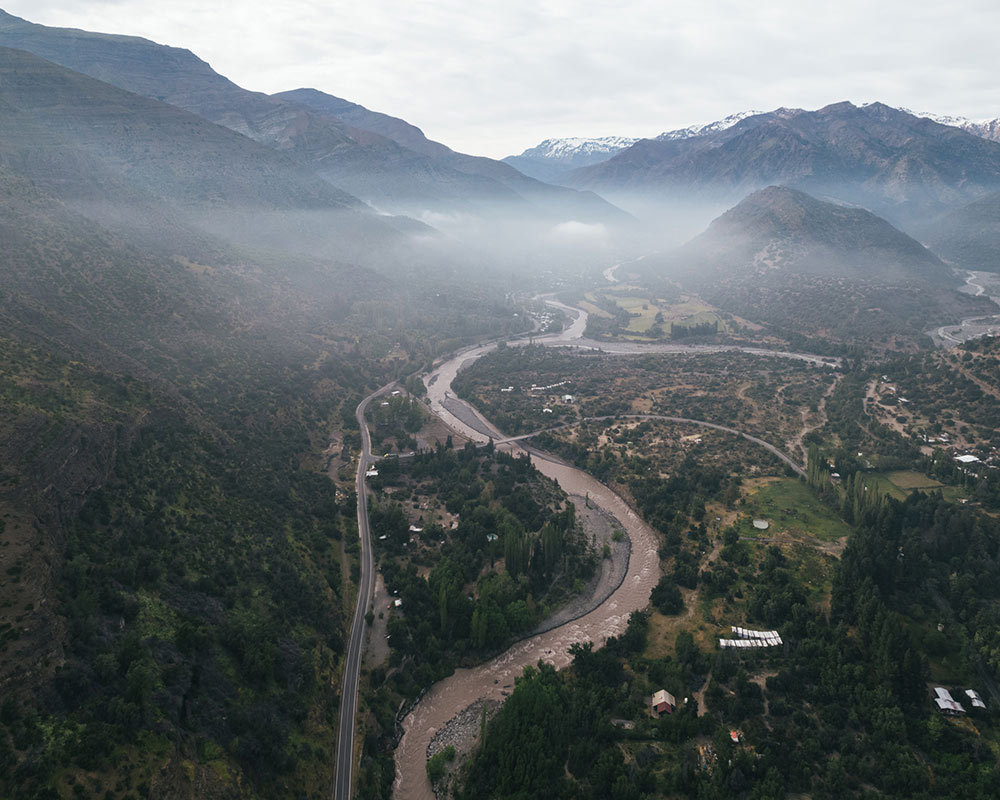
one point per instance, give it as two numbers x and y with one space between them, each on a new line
554 158
903 167
812 268
779 228
378 158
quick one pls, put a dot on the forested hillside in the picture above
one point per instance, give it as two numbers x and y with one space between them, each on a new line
175 577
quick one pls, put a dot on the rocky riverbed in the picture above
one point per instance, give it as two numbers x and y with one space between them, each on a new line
461 732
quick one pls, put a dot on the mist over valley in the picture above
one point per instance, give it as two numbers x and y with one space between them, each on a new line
336 461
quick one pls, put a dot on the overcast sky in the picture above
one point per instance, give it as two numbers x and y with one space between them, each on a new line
494 78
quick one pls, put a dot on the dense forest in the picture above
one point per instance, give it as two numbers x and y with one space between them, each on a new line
176 575
844 708
512 554
510 522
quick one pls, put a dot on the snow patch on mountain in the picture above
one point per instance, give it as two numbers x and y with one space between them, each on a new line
985 128
575 146
711 127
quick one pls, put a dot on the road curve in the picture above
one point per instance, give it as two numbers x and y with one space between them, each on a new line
664 418
352 664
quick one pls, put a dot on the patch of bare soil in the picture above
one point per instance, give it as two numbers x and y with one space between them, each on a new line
761 681
377 646
793 536
436 431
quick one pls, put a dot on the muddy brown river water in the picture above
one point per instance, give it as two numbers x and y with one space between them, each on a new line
495 679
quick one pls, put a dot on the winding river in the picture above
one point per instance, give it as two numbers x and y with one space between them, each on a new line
494 679
978 284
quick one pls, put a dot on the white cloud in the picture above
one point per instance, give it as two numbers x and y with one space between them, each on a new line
574 231
497 77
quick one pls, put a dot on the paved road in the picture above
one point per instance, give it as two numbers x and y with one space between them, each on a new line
703 423
352 664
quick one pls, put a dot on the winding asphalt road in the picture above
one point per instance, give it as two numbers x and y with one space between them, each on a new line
795 466
352 664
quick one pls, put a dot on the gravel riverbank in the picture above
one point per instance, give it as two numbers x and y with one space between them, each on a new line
462 733
600 527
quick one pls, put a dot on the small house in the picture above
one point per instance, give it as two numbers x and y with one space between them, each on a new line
663 702
974 698
946 704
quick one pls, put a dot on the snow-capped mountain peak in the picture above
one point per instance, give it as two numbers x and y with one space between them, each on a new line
984 128
710 127
576 146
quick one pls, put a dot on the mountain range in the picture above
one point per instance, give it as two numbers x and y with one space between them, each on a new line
903 167
552 159
382 160
985 128
199 282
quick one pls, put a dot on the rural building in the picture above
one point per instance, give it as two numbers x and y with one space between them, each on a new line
967 459
946 704
749 638
664 702
976 700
